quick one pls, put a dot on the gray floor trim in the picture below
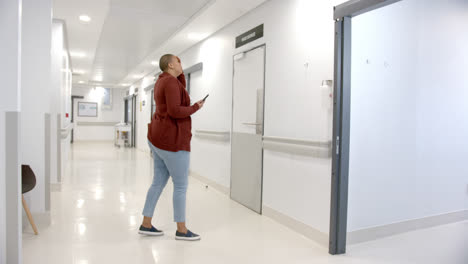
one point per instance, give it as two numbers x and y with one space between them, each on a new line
13 192
96 123
95 141
211 183
47 154
373 233
299 227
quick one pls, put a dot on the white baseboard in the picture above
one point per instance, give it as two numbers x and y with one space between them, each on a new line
303 229
211 183
93 141
299 227
55 187
368 234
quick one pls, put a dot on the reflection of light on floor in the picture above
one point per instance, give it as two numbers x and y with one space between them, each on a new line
155 255
98 193
122 198
80 203
81 228
133 220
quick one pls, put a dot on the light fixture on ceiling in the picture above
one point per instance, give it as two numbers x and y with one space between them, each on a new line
197 36
125 84
97 78
137 76
85 18
154 63
77 54
81 82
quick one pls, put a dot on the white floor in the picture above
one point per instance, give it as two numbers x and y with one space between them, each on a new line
96 215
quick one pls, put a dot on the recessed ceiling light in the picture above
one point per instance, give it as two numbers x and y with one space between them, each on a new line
125 84
197 36
81 82
137 76
77 54
98 78
85 18
154 63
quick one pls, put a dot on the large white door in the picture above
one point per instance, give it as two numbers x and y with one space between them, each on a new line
247 128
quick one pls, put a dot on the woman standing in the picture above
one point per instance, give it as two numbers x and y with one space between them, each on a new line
169 135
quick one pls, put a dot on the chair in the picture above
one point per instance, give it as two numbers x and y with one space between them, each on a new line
28 182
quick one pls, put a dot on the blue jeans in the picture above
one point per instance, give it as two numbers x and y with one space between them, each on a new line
168 163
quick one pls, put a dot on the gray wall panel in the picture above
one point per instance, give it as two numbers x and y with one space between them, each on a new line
13 192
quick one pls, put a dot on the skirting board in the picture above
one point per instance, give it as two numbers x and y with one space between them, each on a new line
299 227
368 234
215 185
94 141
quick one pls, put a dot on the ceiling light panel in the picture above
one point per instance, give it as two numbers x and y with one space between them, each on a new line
85 18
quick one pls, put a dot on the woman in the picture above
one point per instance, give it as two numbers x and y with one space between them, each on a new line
169 135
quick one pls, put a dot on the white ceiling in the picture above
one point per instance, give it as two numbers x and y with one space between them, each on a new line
124 36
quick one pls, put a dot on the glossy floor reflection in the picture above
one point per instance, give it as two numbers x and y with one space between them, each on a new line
96 215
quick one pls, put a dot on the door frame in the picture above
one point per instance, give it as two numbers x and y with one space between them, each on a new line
263 121
341 117
131 98
73 97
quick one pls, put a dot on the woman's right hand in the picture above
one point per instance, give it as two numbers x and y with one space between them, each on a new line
200 104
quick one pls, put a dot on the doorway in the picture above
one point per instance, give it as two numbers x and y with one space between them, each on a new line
130 116
248 92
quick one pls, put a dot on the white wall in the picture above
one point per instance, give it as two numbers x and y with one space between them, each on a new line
57 71
98 132
297 33
143 113
65 104
408 113
10 74
10 52
296 186
36 81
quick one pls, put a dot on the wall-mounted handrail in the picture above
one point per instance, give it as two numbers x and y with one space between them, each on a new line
212 134
319 149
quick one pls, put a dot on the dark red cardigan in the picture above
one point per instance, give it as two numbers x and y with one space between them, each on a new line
171 126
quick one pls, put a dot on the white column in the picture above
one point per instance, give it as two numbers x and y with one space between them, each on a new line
36 81
10 105
60 97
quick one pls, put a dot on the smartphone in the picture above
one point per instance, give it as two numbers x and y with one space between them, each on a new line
205 97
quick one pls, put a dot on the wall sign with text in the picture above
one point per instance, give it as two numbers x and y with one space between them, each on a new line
249 36
87 109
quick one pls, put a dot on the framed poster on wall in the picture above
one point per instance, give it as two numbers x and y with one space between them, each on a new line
87 109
